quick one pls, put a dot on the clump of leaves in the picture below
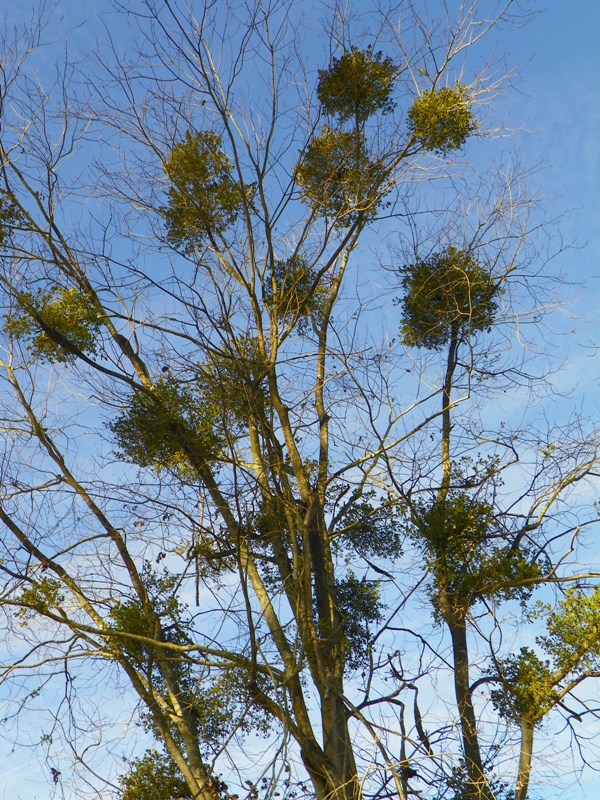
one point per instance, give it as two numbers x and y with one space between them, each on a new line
338 178
360 605
11 216
441 120
573 638
56 324
204 198
215 707
462 788
357 85
271 520
447 295
370 526
39 598
293 291
469 555
170 427
132 616
234 382
459 524
526 687
529 686
153 776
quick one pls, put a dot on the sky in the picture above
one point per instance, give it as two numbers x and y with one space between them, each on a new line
557 103
555 107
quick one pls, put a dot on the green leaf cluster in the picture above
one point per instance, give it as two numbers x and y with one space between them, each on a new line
40 598
204 198
11 216
447 295
215 706
56 324
154 776
573 638
357 85
441 120
163 427
294 292
337 177
527 690
233 383
372 526
460 784
163 619
359 602
131 616
529 686
468 553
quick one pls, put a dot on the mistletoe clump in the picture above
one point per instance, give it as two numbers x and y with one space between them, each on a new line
529 686
357 85
295 291
526 687
12 217
337 176
168 428
153 776
441 120
468 556
359 602
447 295
58 324
204 198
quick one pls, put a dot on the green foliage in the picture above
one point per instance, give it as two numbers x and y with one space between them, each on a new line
293 292
372 526
468 555
357 85
204 198
154 776
131 616
526 689
214 706
54 322
530 687
360 605
459 523
574 631
11 216
448 295
164 619
441 120
160 429
233 384
39 598
271 519
338 178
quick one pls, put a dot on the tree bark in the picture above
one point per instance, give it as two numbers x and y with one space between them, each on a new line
527 730
478 784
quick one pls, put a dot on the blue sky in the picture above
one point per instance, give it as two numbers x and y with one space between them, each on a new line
558 104
555 104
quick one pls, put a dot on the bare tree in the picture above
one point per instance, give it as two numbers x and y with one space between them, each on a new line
223 490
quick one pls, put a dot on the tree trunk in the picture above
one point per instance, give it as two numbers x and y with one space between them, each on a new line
478 784
527 728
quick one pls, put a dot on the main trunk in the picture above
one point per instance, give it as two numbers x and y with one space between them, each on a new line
527 727
478 787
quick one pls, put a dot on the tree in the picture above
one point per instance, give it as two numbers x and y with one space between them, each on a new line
264 496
